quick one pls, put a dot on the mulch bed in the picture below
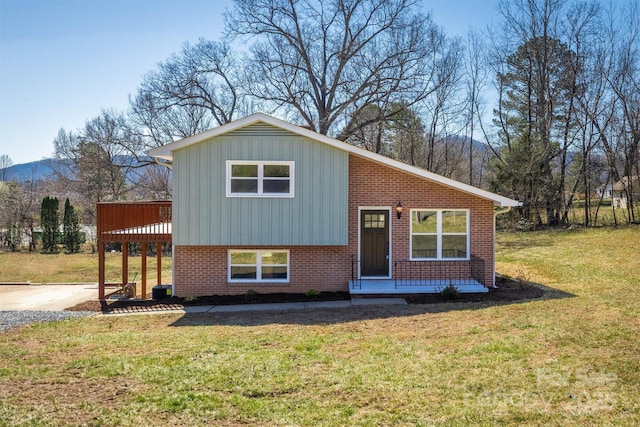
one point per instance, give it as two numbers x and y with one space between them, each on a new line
174 303
508 290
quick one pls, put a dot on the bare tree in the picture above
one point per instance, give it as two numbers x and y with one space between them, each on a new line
10 215
5 164
475 81
321 62
407 135
395 131
96 163
581 29
625 84
19 213
537 114
369 125
153 183
192 91
442 112
609 106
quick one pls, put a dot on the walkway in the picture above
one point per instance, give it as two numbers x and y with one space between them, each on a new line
256 307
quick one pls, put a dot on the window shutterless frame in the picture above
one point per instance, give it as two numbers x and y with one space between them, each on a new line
439 234
259 266
247 178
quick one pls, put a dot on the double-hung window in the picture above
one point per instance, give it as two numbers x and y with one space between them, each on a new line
259 266
260 179
439 234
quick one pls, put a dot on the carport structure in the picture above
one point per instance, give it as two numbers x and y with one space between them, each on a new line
137 222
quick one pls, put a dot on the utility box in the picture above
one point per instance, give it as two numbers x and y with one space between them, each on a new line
161 291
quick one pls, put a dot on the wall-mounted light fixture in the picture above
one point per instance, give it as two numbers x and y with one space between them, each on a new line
399 210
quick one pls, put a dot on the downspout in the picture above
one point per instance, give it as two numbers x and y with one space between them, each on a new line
500 212
163 162
495 214
169 164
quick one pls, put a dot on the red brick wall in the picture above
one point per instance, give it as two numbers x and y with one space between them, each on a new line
202 270
373 184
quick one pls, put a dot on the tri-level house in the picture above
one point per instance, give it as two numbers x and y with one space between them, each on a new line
261 204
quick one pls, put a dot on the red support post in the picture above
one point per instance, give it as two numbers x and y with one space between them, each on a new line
125 263
101 267
159 255
144 270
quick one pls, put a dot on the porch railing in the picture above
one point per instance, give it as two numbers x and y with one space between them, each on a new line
425 273
356 281
422 273
135 221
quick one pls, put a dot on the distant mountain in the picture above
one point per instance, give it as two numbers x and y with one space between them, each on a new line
37 170
459 140
42 169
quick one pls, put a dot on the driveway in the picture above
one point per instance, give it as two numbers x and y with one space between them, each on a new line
45 297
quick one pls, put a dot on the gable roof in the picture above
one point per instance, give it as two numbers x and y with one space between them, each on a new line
165 153
625 183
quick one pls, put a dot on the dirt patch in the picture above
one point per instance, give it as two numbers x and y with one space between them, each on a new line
507 290
74 396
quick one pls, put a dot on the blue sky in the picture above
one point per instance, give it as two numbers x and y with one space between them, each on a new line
62 61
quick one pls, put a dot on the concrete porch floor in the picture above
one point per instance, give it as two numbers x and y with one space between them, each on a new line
388 286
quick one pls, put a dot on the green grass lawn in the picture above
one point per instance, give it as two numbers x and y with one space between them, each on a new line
572 358
74 268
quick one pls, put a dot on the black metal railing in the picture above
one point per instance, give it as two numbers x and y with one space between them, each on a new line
429 273
424 273
356 282
478 270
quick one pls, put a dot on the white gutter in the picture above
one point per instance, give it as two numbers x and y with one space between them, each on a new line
496 212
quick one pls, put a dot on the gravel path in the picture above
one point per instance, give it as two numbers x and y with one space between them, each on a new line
10 319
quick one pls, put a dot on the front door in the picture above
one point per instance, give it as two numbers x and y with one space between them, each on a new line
374 243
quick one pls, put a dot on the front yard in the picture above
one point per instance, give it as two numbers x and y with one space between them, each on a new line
35 267
571 358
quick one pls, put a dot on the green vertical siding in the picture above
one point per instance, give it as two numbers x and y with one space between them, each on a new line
317 215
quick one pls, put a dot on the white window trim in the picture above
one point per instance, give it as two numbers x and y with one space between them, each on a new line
260 178
439 234
258 278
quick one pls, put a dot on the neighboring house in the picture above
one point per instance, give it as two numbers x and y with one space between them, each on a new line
604 191
624 188
260 204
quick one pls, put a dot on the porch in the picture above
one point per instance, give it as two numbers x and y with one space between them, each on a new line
390 287
421 277
146 223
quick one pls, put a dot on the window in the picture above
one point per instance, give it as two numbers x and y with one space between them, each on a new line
258 266
439 234
260 179
374 221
